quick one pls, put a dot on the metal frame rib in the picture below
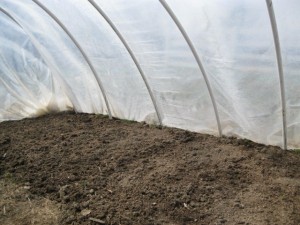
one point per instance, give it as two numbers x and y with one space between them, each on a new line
280 69
81 51
11 17
197 58
129 50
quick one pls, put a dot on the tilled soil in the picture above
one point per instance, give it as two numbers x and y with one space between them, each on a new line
103 171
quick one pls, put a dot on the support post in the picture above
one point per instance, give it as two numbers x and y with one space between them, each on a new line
280 69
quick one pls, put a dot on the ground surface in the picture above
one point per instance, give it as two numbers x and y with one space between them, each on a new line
72 169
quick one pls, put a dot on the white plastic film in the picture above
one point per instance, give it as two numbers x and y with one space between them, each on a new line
121 80
167 61
233 39
60 54
26 86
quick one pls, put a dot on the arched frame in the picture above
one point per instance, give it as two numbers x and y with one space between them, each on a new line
81 51
280 69
129 50
197 58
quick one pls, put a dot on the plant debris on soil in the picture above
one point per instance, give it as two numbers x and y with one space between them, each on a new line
87 169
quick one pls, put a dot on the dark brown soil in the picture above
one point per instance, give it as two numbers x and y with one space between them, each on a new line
122 172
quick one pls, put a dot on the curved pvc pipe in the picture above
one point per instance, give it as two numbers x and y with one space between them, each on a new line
11 17
129 50
73 100
197 58
81 51
280 69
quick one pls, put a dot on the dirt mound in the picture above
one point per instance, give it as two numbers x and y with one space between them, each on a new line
103 171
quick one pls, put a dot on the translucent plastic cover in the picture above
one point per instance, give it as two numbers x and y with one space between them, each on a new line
43 71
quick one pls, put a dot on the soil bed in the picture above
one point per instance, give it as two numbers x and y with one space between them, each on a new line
92 170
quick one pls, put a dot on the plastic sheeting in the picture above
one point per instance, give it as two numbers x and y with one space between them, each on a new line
42 70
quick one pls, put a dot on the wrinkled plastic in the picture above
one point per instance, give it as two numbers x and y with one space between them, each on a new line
42 71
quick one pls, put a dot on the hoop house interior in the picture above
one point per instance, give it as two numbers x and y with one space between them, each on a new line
208 66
